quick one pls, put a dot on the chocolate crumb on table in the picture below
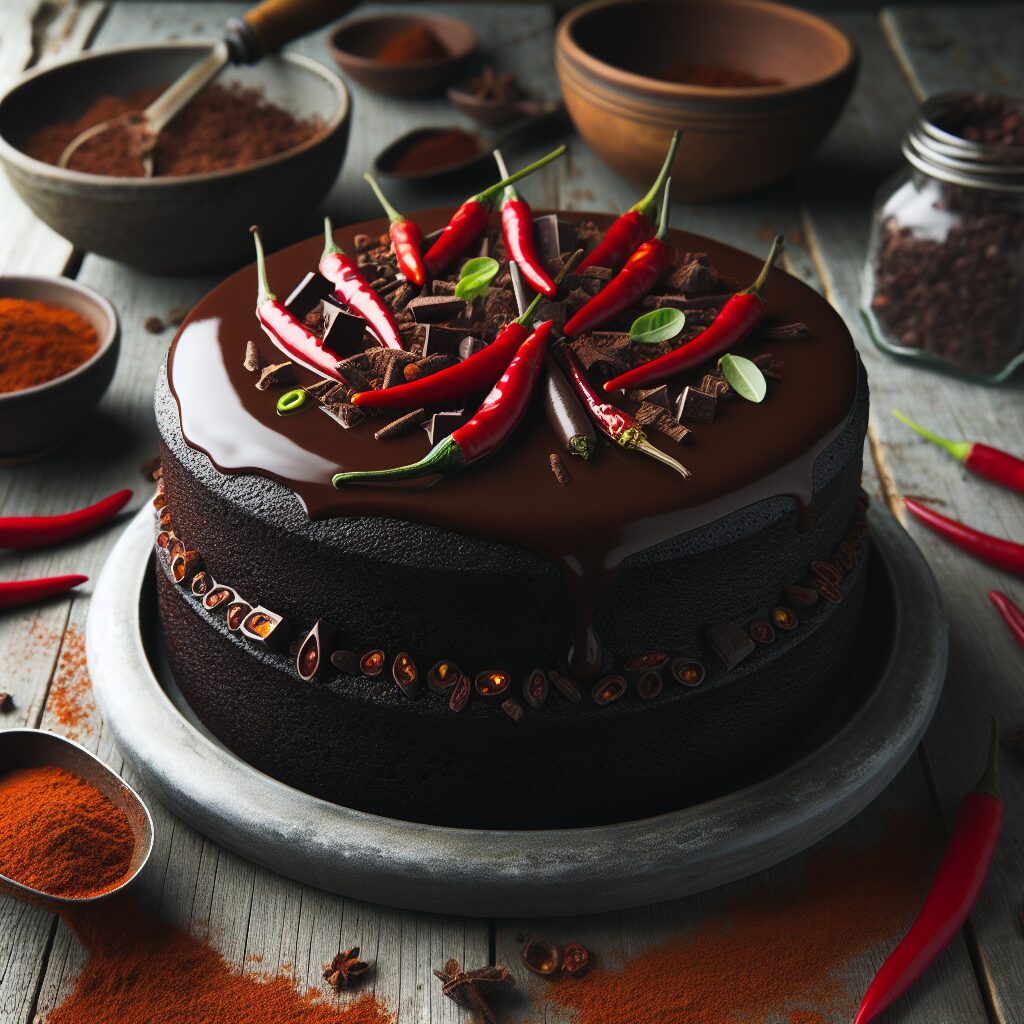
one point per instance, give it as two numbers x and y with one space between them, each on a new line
153 324
6 704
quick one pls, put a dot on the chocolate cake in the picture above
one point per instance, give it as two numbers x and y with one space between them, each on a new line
541 640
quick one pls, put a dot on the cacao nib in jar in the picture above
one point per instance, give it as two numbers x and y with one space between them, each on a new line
944 280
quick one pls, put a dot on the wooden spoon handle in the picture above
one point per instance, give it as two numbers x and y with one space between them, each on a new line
276 22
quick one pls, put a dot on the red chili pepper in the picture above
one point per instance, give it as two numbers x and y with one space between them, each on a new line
19 592
1003 554
284 329
406 238
1011 614
351 288
470 376
517 227
35 531
614 423
470 219
640 274
488 430
634 226
991 463
953 891
734 322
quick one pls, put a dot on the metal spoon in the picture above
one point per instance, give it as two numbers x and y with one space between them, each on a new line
32 748
266 27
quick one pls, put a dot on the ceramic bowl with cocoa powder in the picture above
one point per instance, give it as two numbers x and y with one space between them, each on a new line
182 223
36 420
752 86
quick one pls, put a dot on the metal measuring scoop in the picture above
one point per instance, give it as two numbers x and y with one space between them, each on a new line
263 29
32 748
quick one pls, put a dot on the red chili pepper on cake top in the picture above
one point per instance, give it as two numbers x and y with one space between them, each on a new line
517 229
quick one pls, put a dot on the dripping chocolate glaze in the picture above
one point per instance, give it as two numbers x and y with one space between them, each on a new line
619 502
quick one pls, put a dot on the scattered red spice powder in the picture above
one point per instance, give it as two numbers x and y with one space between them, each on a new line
778 954
71 704
143 971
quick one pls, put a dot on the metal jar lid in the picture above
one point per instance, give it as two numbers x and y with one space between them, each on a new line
939 153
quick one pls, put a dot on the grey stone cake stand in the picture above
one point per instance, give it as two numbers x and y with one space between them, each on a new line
571 871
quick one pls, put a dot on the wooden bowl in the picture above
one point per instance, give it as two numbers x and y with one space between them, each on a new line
734 140
186 224
36 420
354 45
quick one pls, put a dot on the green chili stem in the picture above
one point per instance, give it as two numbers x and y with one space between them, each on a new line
659 182
510 190
958 449
663 216
392 213
989 782
580 445
330 246
445 457
758 285
488 194
265 294
562 274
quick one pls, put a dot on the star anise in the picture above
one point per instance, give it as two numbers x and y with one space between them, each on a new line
467 988
344 968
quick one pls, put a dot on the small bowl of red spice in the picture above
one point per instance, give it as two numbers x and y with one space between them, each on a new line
403 54
71 830
265 139
59 343
752 86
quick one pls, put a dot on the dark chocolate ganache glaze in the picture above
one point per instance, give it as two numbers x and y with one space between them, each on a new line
618 503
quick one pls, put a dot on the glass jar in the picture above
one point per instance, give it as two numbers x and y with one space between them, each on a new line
944 278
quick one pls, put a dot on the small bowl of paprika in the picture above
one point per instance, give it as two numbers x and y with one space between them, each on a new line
403 54
59 343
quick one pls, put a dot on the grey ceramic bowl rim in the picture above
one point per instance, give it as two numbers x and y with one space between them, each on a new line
569 49
11 154
424 64
106 338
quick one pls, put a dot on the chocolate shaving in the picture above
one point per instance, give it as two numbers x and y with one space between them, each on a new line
558 468
683 302
356 370
666 425
325 390
782 332
768 366
345 413
252 361
6 703
712 384
401 425
694 276
279 373
435 308
648 414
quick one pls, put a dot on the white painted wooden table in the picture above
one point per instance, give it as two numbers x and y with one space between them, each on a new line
907 53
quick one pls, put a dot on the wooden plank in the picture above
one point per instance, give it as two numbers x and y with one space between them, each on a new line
985 669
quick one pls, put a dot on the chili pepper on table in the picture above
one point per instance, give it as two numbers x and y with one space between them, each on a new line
488 430
470 376
285 329
634 226
406 238
1011 614
640 274
36 531
14 593
616 424
352 289
517 228
991 463
736 319
1003 554
470 219
953 891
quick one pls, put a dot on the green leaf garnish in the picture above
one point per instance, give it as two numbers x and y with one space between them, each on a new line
657 326
476 277
744 377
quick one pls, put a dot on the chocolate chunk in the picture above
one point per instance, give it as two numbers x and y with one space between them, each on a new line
344 334
713 384
401 425
442 287
693 277
441 424
345 413
647 414
668 426
558 468
652 396
731 643
379 359
356 370
402 299
324 390
432 309
308 294
553 237
444 340
252 361
469 346
500 304
685 303
696 406
554 310
278 373
590 286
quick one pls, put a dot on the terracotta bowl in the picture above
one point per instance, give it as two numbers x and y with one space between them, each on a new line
354 45
734 140
36 420
186 224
